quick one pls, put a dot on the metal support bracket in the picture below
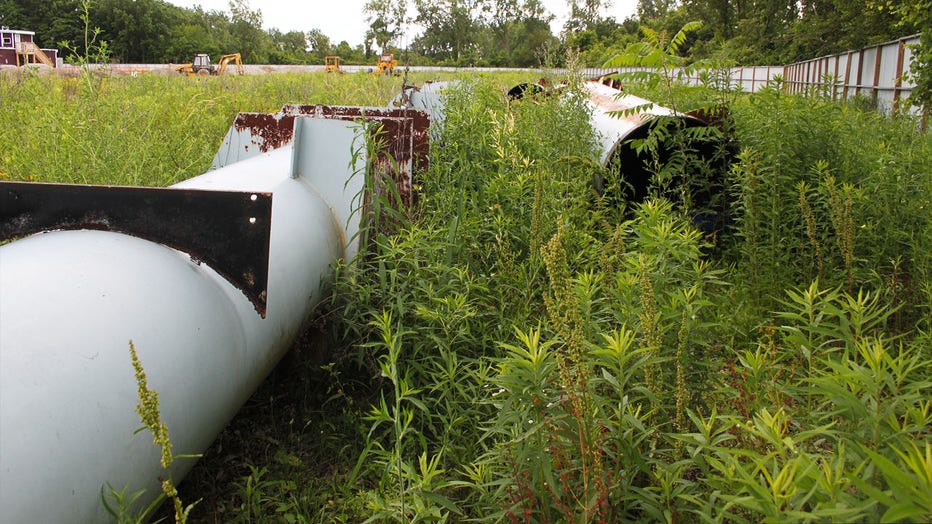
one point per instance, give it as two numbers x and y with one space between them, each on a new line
227 230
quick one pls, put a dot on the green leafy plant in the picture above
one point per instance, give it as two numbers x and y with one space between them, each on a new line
417 497
686 162
658 53
94 51
120 505
148 410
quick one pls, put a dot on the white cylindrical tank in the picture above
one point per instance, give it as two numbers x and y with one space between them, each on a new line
70 302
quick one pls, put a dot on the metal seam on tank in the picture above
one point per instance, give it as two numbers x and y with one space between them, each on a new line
338 229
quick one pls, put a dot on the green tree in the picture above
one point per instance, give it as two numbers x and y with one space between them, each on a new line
318 44
761 31
532 36
349 53
603 40
450 28
58 22
387 19
584 14
137 31
502 15
288 48
515 26
718 16
654 9
833 26
11 14
246 32
188 39
658 51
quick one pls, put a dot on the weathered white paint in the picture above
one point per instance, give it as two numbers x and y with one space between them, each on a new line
70 302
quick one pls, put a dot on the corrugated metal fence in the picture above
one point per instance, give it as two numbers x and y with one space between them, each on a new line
747 78
879 72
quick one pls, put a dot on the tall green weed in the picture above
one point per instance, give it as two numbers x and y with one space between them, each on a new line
862 186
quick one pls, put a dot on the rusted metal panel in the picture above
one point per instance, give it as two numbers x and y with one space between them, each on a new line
875 83
400 135
898 76
227 230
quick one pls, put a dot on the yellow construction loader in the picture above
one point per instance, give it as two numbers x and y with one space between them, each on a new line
386 64
332 64
201 65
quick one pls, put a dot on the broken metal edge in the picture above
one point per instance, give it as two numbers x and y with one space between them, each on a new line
405 138
227 230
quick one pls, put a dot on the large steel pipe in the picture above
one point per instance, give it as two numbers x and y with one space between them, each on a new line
70 302
617 117
620 120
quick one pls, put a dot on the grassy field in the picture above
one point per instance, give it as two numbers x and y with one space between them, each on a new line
78 130
520 348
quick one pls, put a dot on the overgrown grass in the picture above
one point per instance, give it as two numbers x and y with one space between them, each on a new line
151 130
516 349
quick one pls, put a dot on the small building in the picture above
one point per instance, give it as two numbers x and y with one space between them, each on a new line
17 48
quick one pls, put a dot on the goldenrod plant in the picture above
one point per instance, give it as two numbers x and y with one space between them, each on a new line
150 415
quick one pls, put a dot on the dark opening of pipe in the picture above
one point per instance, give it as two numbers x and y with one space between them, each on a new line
524 89
680 159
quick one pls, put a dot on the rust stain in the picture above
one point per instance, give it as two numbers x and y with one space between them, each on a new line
275 130
613 103
404 144
608 80
718 116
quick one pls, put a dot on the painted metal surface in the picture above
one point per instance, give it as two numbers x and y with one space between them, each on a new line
401 133
620 119
227 230
879 72
617 116
428 98
70 302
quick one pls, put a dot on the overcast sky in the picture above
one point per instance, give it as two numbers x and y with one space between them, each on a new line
345 20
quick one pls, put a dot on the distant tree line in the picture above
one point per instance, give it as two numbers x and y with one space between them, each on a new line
155 31
476 32
781 31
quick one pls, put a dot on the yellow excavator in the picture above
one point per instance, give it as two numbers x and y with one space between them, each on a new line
201 65
386 65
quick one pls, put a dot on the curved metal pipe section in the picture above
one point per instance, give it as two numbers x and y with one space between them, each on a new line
526 89
70 302
619 119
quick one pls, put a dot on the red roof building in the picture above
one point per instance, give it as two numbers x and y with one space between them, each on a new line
17 48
